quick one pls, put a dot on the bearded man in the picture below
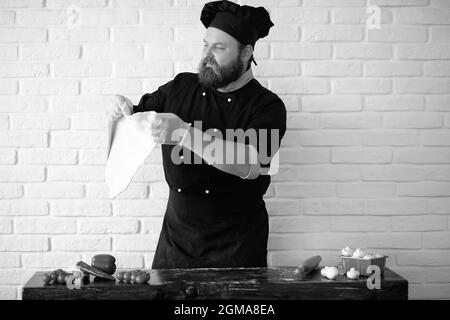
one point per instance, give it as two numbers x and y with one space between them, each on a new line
216 215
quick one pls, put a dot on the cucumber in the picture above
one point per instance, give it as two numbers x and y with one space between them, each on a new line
308 266
93 270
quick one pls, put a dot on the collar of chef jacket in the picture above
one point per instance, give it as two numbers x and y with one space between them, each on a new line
239 83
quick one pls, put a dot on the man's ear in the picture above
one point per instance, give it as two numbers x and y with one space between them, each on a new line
247 52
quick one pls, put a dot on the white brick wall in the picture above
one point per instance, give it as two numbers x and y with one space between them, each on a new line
365 161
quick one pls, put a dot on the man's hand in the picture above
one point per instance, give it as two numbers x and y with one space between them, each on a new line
168 128
120 106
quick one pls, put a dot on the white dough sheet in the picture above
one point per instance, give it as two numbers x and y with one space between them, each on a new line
129 144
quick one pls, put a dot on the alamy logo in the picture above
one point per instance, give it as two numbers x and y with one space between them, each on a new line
374 281
222 148
373 22
74 17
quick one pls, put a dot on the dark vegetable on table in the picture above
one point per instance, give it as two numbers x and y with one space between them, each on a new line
109 269
93 271
307 266
133 277
46 278
127 277
105 263
58 276
62 278
119 276
53 276
141 278
103 258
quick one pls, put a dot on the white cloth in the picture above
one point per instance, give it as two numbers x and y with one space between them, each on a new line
128 146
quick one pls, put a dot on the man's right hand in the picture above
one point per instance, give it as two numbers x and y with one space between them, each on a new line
120 106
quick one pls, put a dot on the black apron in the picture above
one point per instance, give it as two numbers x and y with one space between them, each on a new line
213 218
212 231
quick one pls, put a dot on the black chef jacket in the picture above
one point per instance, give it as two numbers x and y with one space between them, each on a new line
213 218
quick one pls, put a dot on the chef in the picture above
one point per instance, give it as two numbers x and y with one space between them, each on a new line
216 215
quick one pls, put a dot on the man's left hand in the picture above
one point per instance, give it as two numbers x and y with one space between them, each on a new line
168 128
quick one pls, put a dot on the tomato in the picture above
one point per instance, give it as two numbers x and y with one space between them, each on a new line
141 278
126 277
62 278
46 278
53 276
119 276
133 276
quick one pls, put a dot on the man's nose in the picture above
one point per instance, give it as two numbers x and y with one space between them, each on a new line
206 52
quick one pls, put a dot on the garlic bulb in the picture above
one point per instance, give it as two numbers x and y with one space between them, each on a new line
358 253
347 251
331 272
368 256
323 271
353 274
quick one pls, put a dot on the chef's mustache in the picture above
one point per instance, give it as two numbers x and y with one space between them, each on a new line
209 60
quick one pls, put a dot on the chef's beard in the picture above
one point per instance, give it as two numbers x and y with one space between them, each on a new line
219 76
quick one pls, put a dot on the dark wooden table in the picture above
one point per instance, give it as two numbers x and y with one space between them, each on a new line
230 283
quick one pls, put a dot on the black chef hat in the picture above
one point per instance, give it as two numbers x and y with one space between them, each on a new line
244 23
